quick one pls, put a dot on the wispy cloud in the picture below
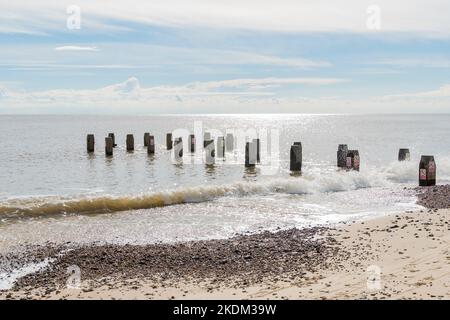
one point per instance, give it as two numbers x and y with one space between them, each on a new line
375 71
265 82
141 56
211 56
76 48
425 17
425 62
441 92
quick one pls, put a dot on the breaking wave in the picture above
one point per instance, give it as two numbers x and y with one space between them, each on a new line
309 183
407 171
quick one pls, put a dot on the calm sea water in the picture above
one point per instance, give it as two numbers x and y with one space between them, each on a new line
51 189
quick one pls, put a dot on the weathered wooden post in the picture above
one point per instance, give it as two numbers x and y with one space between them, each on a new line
250 154
353 160
151 145
146 137
229 141
109 145
296 157
342 156
220 147
427 171
206 137
192 143
90 141
111 135
130 142
298 143
404 155
210 153
169 141
257 145
178 149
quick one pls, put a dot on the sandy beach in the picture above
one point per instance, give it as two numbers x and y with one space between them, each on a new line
403 256
261 153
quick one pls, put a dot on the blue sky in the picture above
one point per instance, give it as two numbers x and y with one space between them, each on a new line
216 57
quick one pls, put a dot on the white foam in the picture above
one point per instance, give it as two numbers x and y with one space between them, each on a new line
7 279
407 171
313 181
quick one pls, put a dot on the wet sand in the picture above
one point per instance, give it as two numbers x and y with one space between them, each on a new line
410 251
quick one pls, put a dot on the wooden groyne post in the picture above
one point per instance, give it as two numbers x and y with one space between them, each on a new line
151 145
257 144
113 137
220 147
169 141
109 145
192 143
427 171
250 154
404 155
296 157
342 156
229 142
178 149
146 139
353 160
90 142
130 142
206 138
210 153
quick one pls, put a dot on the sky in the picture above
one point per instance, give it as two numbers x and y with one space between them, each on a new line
224 56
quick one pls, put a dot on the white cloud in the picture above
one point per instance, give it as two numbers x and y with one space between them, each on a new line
142 56
264 82
416 16
442 92
76 48
239 57
131 92
228 96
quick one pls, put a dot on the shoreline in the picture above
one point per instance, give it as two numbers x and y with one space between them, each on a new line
411 251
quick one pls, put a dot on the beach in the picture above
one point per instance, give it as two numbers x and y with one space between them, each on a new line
225 150
401 256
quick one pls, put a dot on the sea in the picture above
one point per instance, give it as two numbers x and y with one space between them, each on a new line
53 190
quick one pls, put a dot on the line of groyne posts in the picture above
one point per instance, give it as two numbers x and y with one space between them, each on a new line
347 159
